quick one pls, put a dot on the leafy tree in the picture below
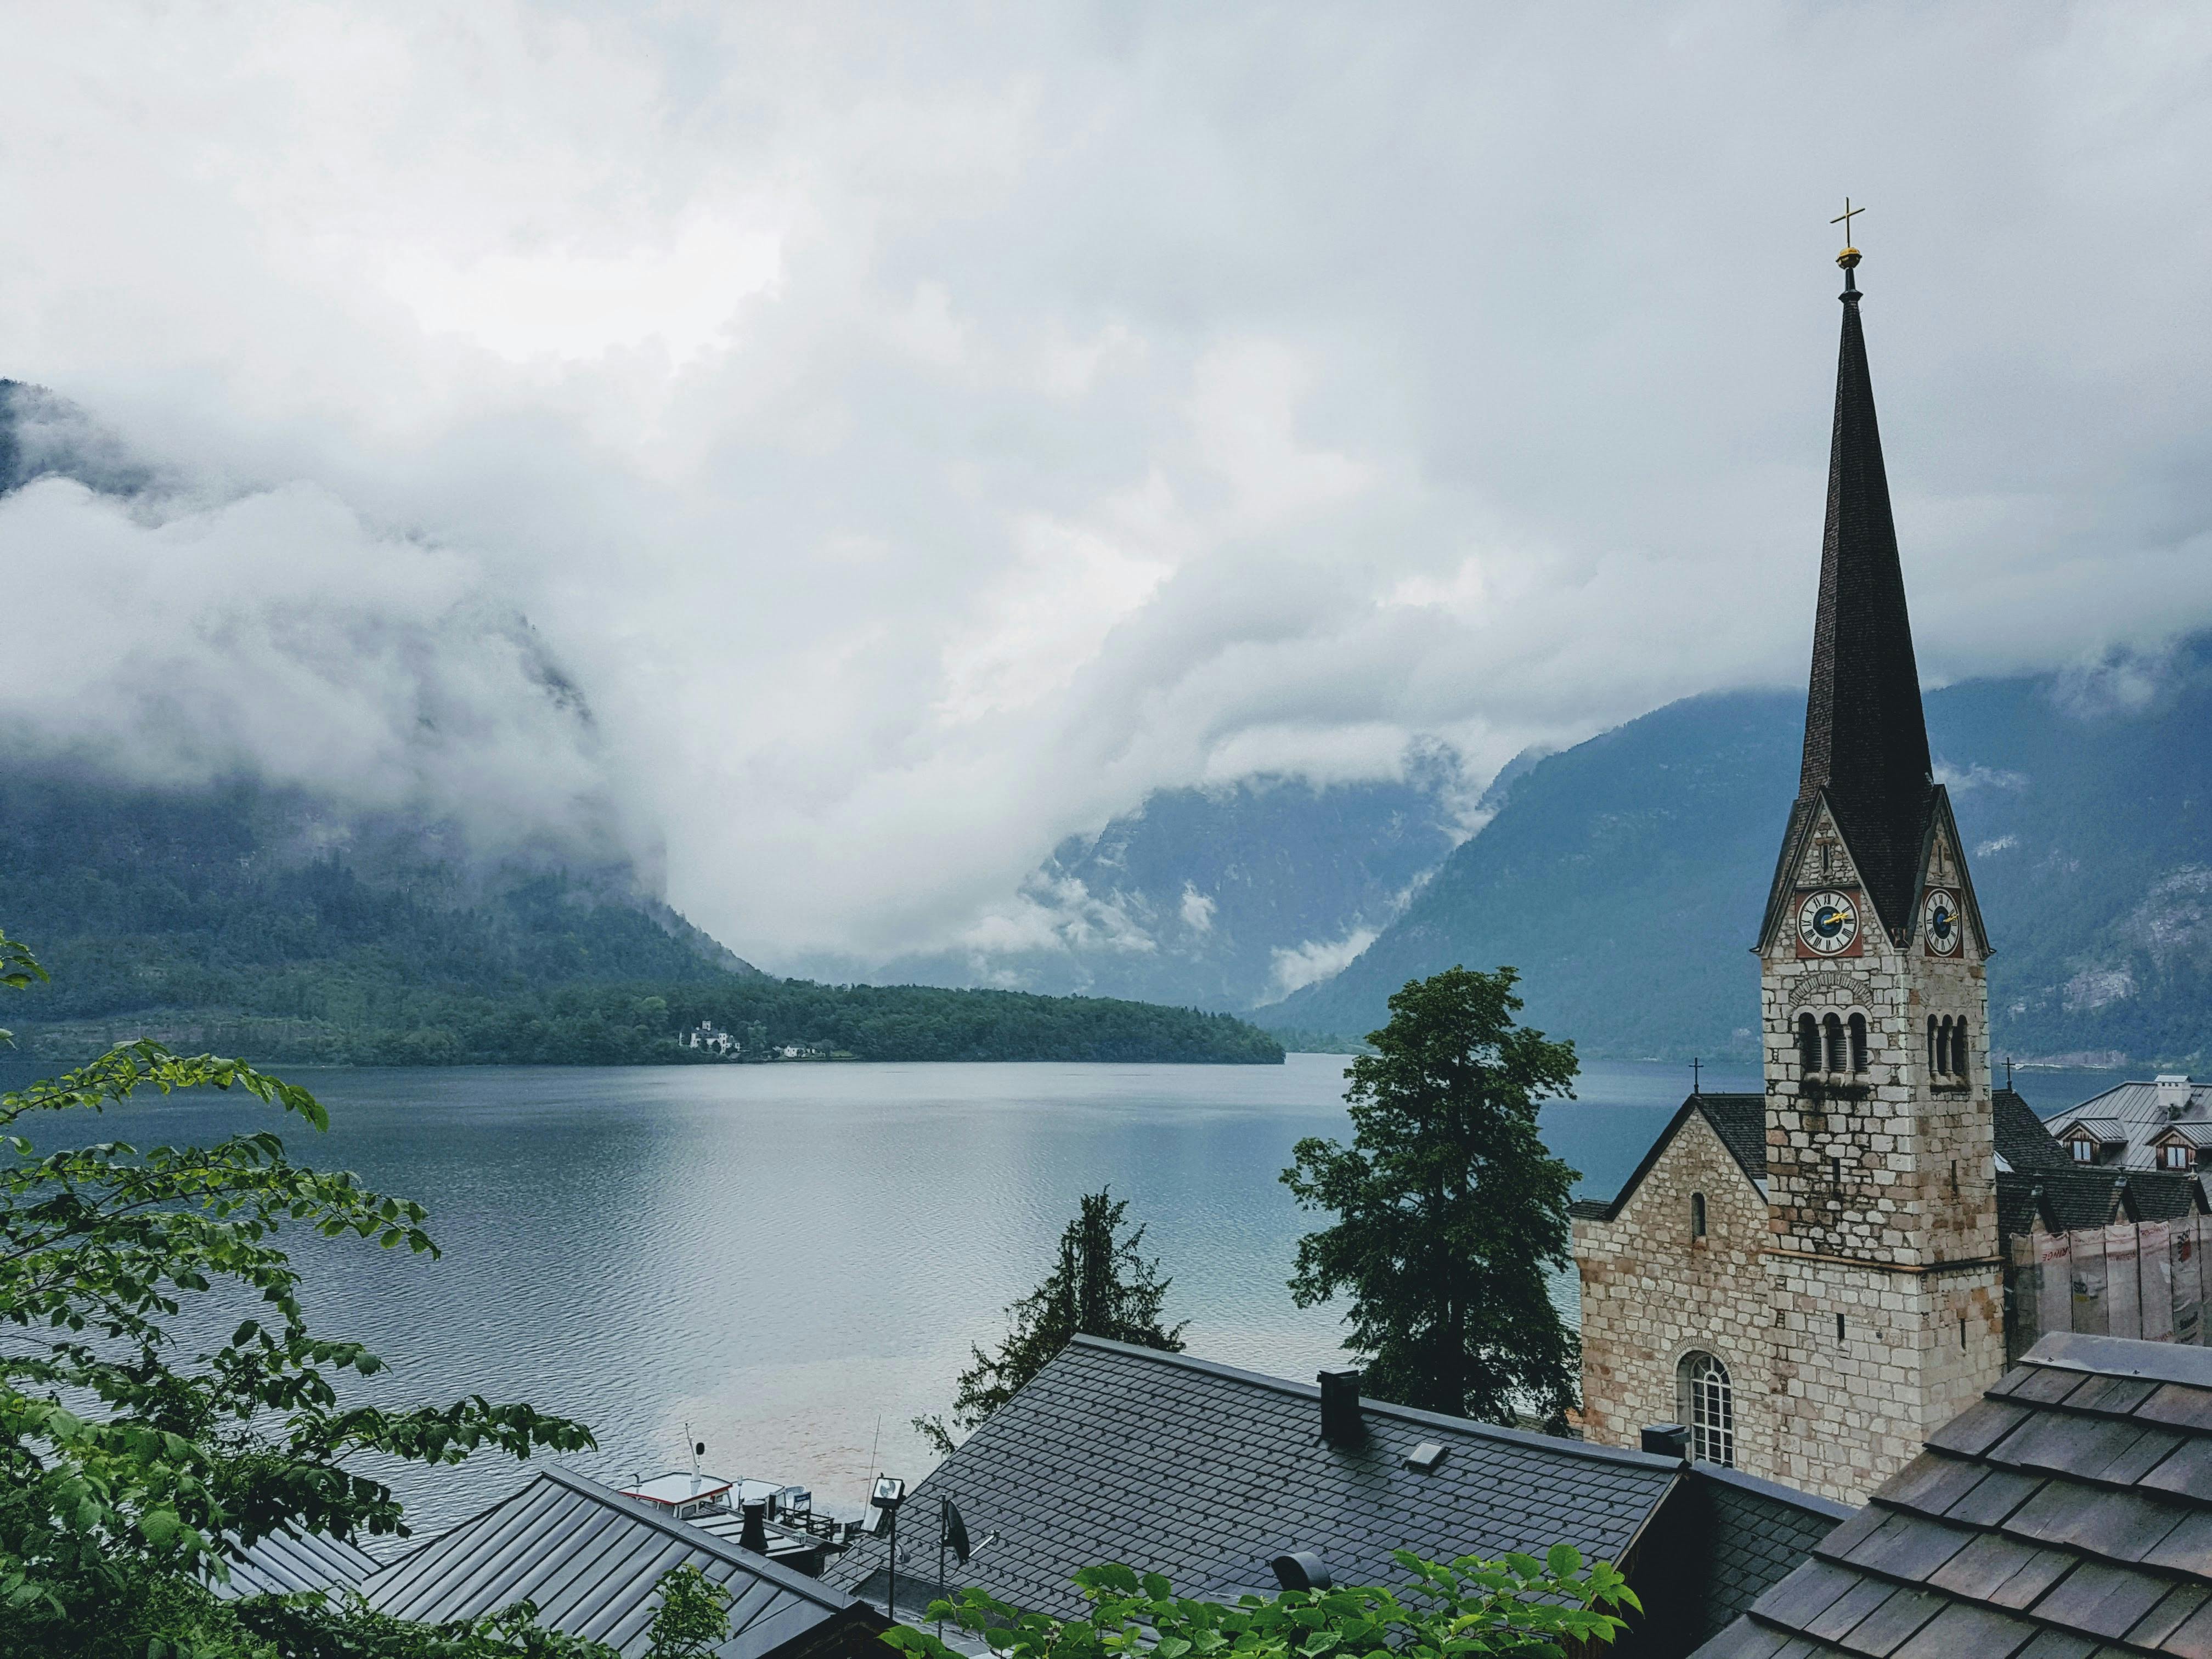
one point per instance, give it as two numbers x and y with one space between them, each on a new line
1516 1605
1101 1286
1448 1206
693 1618
131 1472
345 1627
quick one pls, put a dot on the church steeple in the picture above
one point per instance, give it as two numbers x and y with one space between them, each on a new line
1866 743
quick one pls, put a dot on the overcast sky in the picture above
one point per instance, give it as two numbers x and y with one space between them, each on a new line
922 430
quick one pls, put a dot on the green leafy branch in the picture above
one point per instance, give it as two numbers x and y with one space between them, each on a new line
1518 1605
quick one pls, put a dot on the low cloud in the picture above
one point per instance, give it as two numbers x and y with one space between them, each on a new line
917 437
1318 959
179 641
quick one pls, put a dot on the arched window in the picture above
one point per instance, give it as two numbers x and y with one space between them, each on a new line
1808 1045
1832 1029
1961 1066
1935 1065
1858 1042
1946 1060
1706 1402
1697 1215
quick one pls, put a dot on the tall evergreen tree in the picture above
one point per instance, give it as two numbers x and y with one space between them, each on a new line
1448 1207
1103 1284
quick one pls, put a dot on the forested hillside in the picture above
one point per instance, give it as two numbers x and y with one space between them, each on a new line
257 920
1624 876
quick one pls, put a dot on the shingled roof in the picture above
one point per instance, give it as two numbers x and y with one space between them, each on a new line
2024 1140
2069 1514
1740 1121
1205 1473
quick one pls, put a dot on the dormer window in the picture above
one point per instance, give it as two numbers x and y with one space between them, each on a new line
2095 1140
2180 1147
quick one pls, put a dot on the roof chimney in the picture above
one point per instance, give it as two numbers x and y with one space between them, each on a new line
2173 1089
754 1537
1667 1440
1340 1408
1303 1570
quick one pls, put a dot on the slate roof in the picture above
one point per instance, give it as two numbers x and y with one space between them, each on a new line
592 1559
1759 1532
284 1564
2023 1140
2067 1515
1204 1473
2072 1197
1740 1121
2135 1113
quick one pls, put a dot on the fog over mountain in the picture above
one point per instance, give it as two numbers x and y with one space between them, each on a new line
1625 878
1225 896
857 451
183 632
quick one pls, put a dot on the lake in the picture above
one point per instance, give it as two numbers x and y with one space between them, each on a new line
794 1260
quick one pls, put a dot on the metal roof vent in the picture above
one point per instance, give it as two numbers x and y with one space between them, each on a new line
1302 1569
1425 1457
1339 1409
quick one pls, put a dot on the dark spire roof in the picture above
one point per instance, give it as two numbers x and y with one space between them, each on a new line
1866 744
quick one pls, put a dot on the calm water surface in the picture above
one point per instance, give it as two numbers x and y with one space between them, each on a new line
794 1260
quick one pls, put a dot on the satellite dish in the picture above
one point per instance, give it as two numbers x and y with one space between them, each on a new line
955 1532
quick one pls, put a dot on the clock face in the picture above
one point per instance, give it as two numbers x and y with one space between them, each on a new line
1827 923
1940 914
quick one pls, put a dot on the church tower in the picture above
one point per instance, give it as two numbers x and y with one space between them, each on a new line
1881 1162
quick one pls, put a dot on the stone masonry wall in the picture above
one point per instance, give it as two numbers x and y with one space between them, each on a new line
1850 1412
1652 1293
1883 1191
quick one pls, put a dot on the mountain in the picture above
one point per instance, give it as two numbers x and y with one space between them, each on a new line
1224 896
259 920
1623 877
276 779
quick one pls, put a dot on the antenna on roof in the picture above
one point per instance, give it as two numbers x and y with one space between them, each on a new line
874 1447
951 1533
2007 1071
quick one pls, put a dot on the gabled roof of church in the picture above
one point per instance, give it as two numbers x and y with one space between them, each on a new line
2024 1140
1866 741
1740 1121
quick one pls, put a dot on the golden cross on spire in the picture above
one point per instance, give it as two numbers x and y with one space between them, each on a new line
1846 217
